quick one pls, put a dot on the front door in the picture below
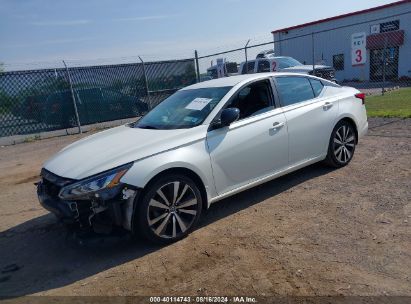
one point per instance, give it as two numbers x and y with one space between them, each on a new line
253 147
377 64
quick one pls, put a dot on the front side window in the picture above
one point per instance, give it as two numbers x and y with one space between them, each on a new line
183 109
294 89
253 99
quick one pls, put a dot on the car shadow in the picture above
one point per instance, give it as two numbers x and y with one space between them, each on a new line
262 192
38 255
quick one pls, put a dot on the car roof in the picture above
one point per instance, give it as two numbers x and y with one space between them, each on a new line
234 80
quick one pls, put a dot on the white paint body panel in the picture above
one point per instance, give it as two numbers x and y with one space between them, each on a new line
305 69
316 117
247 150
227 160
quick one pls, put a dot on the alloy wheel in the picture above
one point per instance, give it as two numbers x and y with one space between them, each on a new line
172 210
344 144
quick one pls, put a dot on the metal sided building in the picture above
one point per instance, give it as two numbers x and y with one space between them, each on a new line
358 45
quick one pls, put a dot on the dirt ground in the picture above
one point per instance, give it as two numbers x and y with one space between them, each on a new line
315 232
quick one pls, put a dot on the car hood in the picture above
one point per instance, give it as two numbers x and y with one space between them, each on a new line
306 68
115 147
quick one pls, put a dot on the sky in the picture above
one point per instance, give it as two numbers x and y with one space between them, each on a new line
35 31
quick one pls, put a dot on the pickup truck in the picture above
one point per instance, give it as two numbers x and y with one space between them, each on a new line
285 64
230 69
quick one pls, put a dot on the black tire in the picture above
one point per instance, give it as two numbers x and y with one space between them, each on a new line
155 223
341 146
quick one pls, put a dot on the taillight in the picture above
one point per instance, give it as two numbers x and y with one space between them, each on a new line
361 96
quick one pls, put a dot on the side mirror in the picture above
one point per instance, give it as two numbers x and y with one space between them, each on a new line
229 115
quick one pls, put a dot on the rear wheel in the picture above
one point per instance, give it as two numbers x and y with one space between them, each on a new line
342 143
169 209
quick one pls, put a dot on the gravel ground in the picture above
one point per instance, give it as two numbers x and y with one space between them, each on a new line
314 232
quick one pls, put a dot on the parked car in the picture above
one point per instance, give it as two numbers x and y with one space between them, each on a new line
230 69
285 64
204 143
94 105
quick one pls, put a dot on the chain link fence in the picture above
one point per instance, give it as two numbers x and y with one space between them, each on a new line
371 55
36 101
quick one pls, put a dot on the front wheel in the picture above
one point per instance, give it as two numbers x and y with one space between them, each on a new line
342 143
169 210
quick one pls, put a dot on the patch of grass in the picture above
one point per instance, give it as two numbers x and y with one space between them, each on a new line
392 104
31 138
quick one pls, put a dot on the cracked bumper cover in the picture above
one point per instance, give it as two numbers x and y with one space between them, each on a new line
100 215
64 210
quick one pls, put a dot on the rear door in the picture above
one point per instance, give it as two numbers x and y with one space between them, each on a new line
310 116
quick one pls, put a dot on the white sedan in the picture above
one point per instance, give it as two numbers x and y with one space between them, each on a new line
204 143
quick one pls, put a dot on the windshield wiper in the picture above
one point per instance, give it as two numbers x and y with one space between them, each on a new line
147 127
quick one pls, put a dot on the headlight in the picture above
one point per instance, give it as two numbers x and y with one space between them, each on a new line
104 185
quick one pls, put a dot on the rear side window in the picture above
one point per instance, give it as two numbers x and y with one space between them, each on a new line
294 89
212 73
249 66
317 86
243 69
263 66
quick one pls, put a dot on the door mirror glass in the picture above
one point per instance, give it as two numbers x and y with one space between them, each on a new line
229 115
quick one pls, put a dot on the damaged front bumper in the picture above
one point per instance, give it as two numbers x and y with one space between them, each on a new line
90 213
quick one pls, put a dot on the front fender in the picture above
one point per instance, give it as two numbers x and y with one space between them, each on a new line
193 157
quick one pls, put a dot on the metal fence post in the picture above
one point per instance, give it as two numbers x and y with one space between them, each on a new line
197 66
313 52
145 81
73 98
384 63
246 57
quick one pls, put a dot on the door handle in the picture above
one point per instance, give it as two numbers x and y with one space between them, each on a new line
327 105
278 125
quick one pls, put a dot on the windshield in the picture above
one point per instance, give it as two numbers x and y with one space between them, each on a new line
288 62
183 109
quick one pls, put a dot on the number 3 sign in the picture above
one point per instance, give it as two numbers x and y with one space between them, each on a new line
358 50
